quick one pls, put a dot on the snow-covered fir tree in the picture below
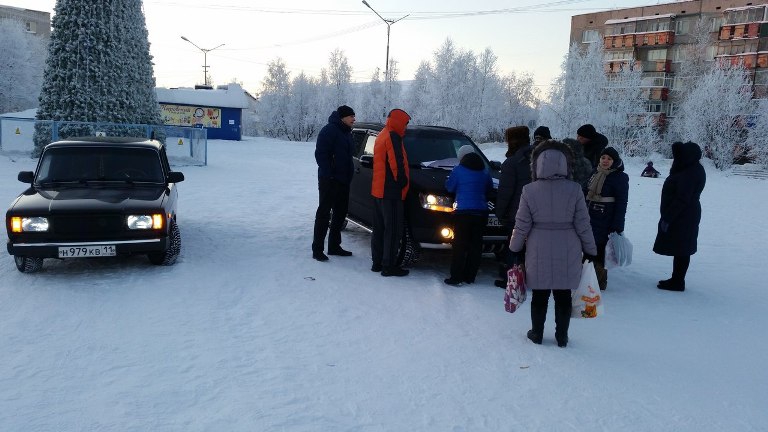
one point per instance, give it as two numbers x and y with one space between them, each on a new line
304 120
274 99
369 106
22 57
99 68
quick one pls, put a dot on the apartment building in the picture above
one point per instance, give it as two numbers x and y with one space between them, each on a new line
657 38
35 22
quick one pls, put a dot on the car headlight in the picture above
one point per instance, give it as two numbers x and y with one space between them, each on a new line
29 224
436 202
140 222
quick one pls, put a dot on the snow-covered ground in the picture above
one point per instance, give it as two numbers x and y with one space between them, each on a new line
248 333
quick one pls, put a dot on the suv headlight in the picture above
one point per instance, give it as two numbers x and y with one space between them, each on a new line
436 202
141 222
29 224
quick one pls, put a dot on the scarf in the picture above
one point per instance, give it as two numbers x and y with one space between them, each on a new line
596 184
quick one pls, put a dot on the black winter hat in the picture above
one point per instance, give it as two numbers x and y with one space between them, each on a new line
516 135
587 131
610 151
345 111
542 131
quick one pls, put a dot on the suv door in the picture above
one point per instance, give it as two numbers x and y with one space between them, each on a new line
360 198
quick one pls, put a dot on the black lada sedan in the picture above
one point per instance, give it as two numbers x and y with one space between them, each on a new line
96 197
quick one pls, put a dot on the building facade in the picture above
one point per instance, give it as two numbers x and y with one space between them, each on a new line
35 22
658 38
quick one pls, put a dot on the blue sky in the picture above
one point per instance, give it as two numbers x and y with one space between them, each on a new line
527 36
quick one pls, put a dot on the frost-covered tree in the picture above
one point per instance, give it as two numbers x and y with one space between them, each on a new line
369 106
420 105
757 140
22 58
303 119
99 68
393 88
715 112
275 99
521 99
623 102
339 74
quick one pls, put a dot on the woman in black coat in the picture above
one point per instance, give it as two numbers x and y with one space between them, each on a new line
680 212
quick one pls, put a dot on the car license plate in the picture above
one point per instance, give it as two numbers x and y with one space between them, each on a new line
493 221
86 251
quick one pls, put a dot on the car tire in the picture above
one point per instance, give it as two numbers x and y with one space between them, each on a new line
28 264
174 248
409 248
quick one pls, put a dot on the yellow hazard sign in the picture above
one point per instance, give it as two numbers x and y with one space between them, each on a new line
18 132
181 141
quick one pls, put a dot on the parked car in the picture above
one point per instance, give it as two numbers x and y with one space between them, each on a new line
96 197
429 208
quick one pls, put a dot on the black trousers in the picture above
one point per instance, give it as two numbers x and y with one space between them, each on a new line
467 245
680 265
388 219
539 302
333 196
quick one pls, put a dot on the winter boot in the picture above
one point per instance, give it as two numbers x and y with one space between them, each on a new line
394 271
602 275
538 317
671 285
562 322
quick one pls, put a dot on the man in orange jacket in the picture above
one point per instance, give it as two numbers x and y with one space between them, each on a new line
389 187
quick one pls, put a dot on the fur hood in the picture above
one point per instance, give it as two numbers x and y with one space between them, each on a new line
551 166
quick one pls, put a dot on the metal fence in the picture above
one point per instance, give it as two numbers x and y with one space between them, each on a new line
184 145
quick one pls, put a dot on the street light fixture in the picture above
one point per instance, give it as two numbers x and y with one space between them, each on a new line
205 51
388 22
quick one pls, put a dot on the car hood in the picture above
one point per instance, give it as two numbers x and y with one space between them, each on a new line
433 179
93 199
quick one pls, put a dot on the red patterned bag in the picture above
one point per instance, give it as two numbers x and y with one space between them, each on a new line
516 292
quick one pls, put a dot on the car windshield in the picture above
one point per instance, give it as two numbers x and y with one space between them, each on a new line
84 164
441 149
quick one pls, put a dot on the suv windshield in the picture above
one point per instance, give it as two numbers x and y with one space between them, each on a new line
422 150
82 164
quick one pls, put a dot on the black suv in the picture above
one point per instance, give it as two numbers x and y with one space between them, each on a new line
431 154
96 197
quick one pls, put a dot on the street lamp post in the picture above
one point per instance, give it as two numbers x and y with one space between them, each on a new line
389 23
205 59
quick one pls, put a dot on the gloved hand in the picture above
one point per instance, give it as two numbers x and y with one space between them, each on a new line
663 226
588 257
516 257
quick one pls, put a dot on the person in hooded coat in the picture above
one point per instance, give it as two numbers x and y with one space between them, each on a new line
607 197
680 209
593 142
515 173
552 223
650 171
470 183
389 187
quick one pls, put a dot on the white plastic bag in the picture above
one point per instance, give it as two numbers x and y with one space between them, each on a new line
618 251
586 301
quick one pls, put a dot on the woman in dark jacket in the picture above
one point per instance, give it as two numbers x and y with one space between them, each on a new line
470 182
607 197
680 212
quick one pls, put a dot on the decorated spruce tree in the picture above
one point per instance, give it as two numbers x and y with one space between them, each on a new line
99 68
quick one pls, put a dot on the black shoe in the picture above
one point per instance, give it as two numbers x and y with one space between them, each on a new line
500 283
319 256
562 341
535 337
394 271
454 282
376 268
671 285
339 252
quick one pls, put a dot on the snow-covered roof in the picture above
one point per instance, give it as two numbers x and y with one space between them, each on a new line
229 96
29 114
642 18
733 9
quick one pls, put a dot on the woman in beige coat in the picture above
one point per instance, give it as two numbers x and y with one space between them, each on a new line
552 223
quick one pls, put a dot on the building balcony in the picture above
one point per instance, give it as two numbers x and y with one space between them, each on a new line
649 39
743 31
748 60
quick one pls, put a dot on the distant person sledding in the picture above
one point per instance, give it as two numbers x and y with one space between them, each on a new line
650 171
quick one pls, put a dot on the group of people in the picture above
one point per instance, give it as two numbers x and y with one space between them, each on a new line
559 201
333 152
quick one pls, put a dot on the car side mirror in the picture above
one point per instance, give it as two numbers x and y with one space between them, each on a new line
26 177
366 161
496 165
175 177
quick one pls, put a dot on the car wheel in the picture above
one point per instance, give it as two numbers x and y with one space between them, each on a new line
169 256
409 248
28 264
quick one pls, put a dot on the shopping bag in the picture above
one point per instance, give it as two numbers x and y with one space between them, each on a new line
587 301
618 251
515 293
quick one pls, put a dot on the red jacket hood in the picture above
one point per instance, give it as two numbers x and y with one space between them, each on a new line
398 121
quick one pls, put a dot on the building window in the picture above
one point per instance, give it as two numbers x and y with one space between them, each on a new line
31 27
682 26
750 15
671 109
654 107
618 55
657 54
590 36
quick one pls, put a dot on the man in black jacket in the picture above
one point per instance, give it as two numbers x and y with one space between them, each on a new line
593 143
333 154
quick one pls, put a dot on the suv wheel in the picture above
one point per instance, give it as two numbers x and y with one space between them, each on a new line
409 248
28 264
169 256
